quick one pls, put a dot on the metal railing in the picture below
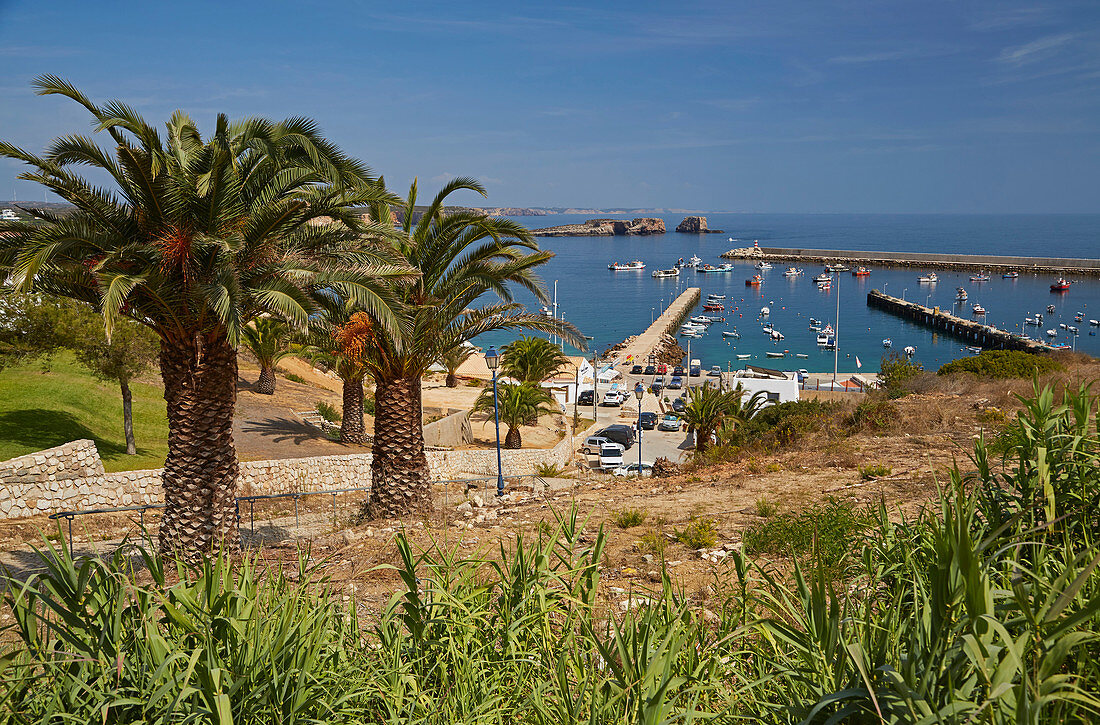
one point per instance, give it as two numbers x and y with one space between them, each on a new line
485 484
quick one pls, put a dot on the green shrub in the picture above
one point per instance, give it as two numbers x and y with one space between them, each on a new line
295 378
874 470
875 414
832 532
652 542
698 534
1002 364
785 423
549 470
765 507
896 372
628 517
329 412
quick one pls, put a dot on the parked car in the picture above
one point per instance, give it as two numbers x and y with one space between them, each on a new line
676 383
650 370
647 421
803 373
656 388
669 423
613 398
679 405
586 397
621 434
659 380
715 370
611 456
678 370
662 369
592 444
632 469
636 370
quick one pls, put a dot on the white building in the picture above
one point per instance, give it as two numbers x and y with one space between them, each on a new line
780 387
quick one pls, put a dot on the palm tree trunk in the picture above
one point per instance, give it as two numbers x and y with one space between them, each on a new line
266 383
352 429
452 379
400 481
128 417
513 440
200 472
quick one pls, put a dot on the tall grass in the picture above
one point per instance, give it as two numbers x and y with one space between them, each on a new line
985 608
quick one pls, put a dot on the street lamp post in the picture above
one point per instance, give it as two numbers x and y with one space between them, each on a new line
492 360
595 388
639 391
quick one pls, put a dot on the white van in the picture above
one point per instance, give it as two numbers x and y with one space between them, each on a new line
611 456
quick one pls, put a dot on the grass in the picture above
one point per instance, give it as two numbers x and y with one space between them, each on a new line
874 470
40 410
652 542
698 534
765 507
329 412
295 378
831 531
628 518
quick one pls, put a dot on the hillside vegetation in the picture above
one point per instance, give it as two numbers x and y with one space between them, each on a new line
41 408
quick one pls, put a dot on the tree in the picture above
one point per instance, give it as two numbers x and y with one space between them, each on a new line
452 360
128 353
531 359
517 403
339 342
28 327
461 257
708 408
201 236
266 339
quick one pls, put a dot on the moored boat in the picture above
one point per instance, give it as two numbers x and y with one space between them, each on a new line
792 272
775 354
909 350
930 278
754 281
979 277
731 333
763 265
1061 285
960 295
743 357
626 266
1010 275
714 307
666 272
823 277
860 272
838 267
887 342
708 268
977 309
802 355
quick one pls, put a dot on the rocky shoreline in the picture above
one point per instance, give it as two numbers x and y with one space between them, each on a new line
641 226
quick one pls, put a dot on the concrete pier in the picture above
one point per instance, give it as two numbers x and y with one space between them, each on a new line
969 331
922 260
669 321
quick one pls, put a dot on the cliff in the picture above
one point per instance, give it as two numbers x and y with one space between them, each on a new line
696 225
605 228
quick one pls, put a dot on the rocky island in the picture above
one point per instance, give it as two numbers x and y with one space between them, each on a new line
695 225
605 228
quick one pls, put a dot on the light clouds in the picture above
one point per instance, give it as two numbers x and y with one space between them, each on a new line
1036 50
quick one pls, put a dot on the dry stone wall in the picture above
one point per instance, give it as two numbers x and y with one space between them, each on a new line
71 477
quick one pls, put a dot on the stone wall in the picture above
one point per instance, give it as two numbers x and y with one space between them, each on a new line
71 477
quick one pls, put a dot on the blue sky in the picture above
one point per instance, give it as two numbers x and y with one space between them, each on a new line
849 106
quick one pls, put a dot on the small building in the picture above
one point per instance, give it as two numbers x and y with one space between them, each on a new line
780 386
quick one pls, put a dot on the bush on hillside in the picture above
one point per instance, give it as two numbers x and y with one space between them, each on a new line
896 374
786 423
1002 364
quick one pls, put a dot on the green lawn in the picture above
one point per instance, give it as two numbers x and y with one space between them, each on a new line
45 409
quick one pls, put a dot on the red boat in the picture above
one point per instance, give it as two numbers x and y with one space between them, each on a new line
1060 286
714 307
754 281
861 272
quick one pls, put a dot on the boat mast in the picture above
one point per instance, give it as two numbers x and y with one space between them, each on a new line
836 332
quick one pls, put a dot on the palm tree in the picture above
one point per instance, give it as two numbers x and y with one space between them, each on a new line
338 342
461 256
266 338
201 237
452 360
517 403
531 359
708 408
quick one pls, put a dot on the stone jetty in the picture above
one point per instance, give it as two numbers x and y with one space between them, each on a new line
641 226
659 334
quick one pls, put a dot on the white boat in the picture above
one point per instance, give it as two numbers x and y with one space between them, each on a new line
694 261
822 338
731 333
909 350
763 265
887 342
802 355
836 267
978 309
777 335
815 328
1073 329
666 273
1052 333
767 328
1062 325
707 268
792 272
928 278
775 354
743 357
690 333
973 350
823 277
627 266
980 277
713 296
701 319
824 285
7 215
1033 321
960 295
765 311
1094 323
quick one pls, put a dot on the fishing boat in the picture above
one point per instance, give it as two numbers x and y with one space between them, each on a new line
977 309
775 354
836 268
708 268
960 295
701 319
766 328
690 333
666 273
763 265
824 285
1073 329
1052 333
626 266
831 344
802 355
1061 285
979 277
1094 323
909 350
694 261
860 272
822 338
1033 321
1050 309
1079 317
731 333
1010 275
714 307
887 342
713 296
815 321
754 281
815 327
743 357
792 272
928 278
823 277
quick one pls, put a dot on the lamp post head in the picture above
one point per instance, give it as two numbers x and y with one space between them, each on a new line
492 358
639 391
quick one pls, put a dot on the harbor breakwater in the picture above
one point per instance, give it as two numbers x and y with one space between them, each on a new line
974 333
923 260
660 333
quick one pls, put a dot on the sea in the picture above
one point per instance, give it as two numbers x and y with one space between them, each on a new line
609 306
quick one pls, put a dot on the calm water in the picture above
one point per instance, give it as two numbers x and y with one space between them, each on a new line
610 306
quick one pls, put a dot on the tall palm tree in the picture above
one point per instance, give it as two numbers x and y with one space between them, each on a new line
201 236
339 341
267 340
708 408
461 257
517 403
531 359
452 360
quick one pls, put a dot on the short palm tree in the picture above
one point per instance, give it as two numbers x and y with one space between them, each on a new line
267 339
461 257
201 237
338 341
708 408
452 360
517 403
531 359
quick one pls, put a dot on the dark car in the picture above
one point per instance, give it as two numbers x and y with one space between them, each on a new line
648 421
657 387
586 397
679 405
650 370
636 370
621 434
678 371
